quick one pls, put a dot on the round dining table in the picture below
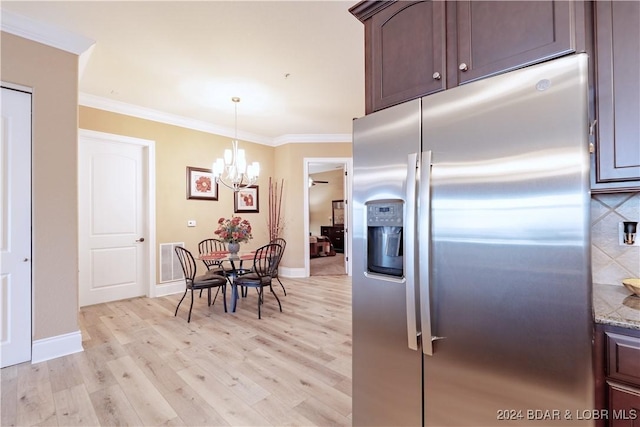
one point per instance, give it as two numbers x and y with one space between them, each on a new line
236 261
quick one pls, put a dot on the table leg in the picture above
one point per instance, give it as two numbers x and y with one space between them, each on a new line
234 287
234 297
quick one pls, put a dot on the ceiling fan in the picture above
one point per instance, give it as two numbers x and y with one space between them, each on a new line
313 182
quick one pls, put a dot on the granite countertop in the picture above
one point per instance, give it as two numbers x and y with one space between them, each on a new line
615 305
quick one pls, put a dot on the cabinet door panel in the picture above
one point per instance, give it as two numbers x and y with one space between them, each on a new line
407 40
495 36
624 406
618 90
623 357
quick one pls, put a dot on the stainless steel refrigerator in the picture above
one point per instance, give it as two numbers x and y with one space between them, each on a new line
471 255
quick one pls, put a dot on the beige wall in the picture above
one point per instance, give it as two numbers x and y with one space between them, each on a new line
177 148
53 76
289 163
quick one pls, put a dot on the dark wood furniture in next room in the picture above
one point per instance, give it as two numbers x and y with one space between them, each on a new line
335 235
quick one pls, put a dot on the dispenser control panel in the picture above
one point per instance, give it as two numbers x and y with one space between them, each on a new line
384 213
384 237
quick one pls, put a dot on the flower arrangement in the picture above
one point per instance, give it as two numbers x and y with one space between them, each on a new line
234 230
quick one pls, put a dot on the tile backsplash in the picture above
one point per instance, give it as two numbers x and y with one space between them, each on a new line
612 262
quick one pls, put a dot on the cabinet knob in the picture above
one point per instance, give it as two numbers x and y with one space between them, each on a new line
463 67
437 76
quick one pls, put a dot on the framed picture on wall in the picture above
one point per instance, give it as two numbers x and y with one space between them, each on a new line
337 208
200 184
246 200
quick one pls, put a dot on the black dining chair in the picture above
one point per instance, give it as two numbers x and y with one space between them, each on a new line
280 241
265 262
208 246
194 282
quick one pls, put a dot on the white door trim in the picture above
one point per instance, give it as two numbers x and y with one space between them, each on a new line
150 202
348 167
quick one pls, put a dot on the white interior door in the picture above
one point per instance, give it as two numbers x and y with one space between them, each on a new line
114 244
15 235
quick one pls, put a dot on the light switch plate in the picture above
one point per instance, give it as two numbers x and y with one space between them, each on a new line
191 223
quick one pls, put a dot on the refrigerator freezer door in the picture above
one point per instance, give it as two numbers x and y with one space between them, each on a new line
510 276
387 374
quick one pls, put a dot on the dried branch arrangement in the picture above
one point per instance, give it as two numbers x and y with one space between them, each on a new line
274 222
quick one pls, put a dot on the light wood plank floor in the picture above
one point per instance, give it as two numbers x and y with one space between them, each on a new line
142 366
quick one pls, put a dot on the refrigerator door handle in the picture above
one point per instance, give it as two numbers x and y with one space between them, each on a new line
424 251
409 250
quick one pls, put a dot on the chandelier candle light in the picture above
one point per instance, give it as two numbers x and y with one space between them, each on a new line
238 174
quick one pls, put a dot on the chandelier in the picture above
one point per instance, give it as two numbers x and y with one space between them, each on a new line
232 171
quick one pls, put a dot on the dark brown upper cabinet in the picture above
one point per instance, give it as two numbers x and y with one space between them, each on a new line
415 48
493 37
617 63
406 58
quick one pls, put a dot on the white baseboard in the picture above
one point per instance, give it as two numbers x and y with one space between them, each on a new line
169 288
58 346
291 272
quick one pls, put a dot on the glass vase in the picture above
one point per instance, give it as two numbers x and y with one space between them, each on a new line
233 248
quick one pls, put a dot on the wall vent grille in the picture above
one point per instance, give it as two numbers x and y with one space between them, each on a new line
170 269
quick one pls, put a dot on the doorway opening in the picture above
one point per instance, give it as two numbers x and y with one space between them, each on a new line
327 196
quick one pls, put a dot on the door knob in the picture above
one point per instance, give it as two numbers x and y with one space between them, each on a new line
436 76
463 67
140 239
25 260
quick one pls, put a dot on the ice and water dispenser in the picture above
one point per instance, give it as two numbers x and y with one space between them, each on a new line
384 237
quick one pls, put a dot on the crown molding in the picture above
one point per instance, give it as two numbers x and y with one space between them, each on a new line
47 34
119 107
311 138
366 9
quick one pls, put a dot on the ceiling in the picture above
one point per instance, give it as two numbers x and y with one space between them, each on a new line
298 66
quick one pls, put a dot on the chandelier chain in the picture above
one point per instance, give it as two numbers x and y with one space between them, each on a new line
238 174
